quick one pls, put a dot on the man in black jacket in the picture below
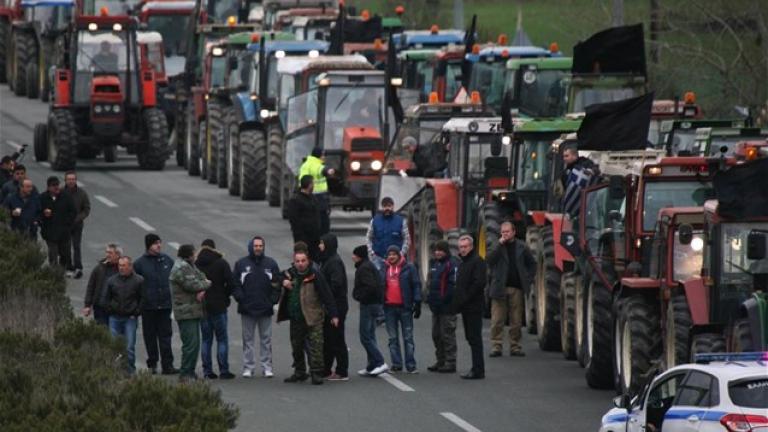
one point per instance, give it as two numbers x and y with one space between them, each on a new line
211 262
468 300
334 345
59 215
123 299
83 208
304 217
369 292
94 294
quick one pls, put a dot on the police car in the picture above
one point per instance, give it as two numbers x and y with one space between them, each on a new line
720 392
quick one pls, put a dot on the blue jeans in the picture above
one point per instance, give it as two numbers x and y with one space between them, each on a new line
209 326
398 317
368 316
126 327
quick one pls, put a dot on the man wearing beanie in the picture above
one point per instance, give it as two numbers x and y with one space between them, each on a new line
402 303
442 283
369 292
189 285
387 229
155 267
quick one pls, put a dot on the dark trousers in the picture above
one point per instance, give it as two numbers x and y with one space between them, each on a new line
59 252
324 204
210 326
311 338
189 330
369 314
101 316
77 256
473 331
157 333
335 347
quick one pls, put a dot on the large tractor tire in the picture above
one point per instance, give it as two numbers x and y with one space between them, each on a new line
598 327
4 51
110 153
233 160
215 126
203 138
191 143
21 44
581 285
253 165
677 332
568 315
33 80
180 127
548 294
533 240
452 237
62 140
156 151
274 163
487 239
222 148
428 232
741 337
639 339
705 343
41 142
287 188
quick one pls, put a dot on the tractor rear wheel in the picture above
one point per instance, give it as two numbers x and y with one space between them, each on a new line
428 231
639 337
741 337
110 153
599 324
233 160
548 294
156 150
4 28
180 127
533 240
676 334
707 343
32 77
274 163
21 58
203 138
41 142
579 320
62 140
487 239
222 166
253 161
191 143
215 123
567 315
287 188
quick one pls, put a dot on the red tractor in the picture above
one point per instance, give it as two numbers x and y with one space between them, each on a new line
105 97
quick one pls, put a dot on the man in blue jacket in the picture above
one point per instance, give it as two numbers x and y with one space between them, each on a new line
402 303
257 289
442 284
155 267
387 229
25 209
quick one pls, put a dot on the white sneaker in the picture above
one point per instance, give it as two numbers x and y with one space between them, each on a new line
380 370
69 274
363 372
268 374
247 373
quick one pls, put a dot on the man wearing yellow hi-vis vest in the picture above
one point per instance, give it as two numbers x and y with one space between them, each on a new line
315 167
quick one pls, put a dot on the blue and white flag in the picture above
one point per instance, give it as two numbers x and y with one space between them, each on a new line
579 178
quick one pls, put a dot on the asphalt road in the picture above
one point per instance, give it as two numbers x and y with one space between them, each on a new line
540 392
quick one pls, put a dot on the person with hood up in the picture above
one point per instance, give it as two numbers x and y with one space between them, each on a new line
211 262
256 282
334 345
369 292
402 303
304 217
189 285
442 284
306 300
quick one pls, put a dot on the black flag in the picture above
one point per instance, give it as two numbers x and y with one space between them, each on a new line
337 33
393 100
469 41
620 125
740 190
615 50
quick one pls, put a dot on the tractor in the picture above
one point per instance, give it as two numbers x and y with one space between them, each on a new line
36 43
276 11
713 141
106 98
678 137
535 87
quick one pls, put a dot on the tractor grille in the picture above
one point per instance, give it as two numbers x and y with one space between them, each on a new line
106 89
366 144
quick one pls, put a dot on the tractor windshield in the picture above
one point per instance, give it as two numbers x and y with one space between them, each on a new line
489 80
586 96
171 27
682 140
531 173
452 79
218 71
688 259
737 269
319 31
103 53
49 17
114 7
351 107
540 94
480 162
659 195
223 9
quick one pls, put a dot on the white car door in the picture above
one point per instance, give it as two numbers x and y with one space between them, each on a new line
696 396
650 415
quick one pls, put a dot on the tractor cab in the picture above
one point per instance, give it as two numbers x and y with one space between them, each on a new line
717 142
312 27
590 89
678 136
416 75
275 12
168 17
666 110
112 7
151 46
537 87
434 38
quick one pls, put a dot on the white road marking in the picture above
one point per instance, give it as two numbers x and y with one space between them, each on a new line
14 144
46 164
141 223
174 245
105 201
397 383
460 422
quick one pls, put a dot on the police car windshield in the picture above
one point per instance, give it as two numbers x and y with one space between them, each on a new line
489 80
749 393
541 93
351 107
737 269
659 195
171 27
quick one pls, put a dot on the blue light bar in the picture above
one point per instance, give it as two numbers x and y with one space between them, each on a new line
730 357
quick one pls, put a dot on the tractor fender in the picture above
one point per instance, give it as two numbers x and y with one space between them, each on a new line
247 110
63 83
537 217
697 295
755 310
447 203
562 255
639 284
200 105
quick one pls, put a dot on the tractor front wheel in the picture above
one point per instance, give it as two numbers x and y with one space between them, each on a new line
638 324
705 343
568 315
253 165
676 333
428 231
274 163
41 142
156 151
598 327
233 160
62 140
547 295
33 89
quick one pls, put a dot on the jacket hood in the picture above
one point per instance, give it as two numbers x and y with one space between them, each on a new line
252 254
331 245
207 255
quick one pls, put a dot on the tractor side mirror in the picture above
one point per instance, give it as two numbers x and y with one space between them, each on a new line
622 401
756 246
496 146
685 233
233 63
616 187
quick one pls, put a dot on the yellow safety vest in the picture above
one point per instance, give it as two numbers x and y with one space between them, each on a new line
314 166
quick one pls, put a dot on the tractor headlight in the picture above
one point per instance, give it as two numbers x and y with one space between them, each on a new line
314 54
116 108
506 140
117 27
354 165
264 113
107 108
376 165
97 109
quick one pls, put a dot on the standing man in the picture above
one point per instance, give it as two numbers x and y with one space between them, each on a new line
369 292
578 174
24 208
189 285
314 167
83 208
387 229
155 267
304 217
402 303
512 271
211 262
334 345
94 294
12 186
305 301
123 301
257 290
442 284
468 300
58 218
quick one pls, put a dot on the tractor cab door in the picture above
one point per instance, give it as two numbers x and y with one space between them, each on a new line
301 129
531 172
601 229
